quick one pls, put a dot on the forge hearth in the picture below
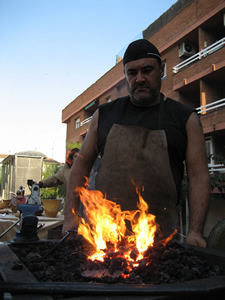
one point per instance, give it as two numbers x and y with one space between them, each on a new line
69 263
176 269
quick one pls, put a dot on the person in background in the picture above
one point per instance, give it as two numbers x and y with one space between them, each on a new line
62 176
143 140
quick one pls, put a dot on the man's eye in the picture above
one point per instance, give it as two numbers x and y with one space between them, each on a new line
131 73
147 71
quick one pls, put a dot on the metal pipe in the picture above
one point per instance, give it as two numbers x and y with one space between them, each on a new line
2 234
59 242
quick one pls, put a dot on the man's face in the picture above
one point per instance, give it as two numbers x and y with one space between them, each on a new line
143 81
76 154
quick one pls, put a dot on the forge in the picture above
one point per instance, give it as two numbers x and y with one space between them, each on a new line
175 270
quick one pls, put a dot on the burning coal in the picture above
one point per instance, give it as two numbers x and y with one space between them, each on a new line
106 230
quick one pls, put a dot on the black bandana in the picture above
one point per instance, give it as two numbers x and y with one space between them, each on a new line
140 49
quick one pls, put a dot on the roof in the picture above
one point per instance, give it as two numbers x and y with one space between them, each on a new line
30 153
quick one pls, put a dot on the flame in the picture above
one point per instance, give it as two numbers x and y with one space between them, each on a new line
106 224
144 227
169 238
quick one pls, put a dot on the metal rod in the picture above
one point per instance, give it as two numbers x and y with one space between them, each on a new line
41 225
59 242
2 234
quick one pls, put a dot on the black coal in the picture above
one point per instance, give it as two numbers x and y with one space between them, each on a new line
69 263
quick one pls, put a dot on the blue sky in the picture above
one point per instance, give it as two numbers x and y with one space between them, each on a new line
53 50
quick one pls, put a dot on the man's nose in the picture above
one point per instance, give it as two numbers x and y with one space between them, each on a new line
140 77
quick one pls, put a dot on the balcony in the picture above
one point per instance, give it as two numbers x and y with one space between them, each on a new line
200 55
214 106
219 168
86 121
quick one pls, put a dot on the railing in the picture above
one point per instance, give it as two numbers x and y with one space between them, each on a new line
203 53
201 109
211 106
216 168
85 121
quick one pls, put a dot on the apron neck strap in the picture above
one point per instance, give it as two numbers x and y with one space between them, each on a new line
161 110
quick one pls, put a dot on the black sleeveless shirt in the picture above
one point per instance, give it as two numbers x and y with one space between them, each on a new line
175 115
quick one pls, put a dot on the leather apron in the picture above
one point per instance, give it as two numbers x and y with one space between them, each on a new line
136 157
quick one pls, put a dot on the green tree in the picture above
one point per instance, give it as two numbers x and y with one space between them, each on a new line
218 178
71 146
52 192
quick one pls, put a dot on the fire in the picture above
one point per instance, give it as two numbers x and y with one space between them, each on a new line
144 227
105 225
105 222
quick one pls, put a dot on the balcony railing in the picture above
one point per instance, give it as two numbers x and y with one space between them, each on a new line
85 121
211 106
200 110
203 53
220 168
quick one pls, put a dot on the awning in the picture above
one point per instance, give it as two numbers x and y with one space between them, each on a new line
90 105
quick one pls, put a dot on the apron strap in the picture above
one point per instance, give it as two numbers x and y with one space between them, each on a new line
161 111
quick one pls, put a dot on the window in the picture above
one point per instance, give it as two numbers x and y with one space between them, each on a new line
108 99
77 123
164 69
209 149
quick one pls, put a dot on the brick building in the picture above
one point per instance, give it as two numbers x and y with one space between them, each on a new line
191 39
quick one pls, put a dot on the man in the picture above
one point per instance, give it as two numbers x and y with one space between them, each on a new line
143 140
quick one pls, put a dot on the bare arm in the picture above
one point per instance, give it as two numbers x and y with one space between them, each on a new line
50 182
54 180
80 169
199 181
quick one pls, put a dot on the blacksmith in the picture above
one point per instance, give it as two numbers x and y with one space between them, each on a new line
144 140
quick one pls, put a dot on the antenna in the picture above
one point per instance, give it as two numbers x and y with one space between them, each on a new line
53 149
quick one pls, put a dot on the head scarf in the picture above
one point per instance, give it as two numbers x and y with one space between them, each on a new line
69 158
140 49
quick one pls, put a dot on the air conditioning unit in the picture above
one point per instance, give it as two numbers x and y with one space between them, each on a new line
187 49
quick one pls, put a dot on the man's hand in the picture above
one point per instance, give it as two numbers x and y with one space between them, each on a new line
196 239
70 224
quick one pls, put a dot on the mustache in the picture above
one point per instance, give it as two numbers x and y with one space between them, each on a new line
141 84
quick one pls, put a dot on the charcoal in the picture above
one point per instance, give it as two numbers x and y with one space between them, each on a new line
134 254
69 263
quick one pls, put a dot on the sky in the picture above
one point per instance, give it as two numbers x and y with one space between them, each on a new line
51 51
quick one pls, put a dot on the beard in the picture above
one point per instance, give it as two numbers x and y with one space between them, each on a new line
142 94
